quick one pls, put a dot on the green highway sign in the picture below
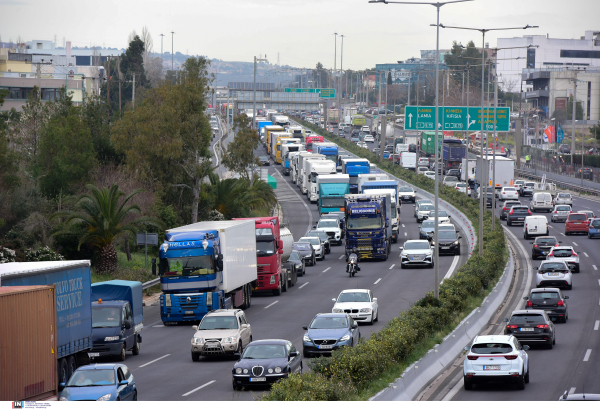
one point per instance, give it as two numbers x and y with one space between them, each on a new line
323 92
455 118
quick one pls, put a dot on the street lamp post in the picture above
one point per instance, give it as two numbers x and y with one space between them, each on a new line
254 104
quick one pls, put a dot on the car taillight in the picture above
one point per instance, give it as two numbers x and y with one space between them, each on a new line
534 203
535 245
511 211
472 357
510 357
542 271
560 303
512 326
542 326
529 304
551 254
574 254
529 211
555 212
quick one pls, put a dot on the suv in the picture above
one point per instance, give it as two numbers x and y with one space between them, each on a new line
406 194
587 173
531 326
560 213
527 189
553 274
542 246
576 223
551 300
506 208
566 254
331 227
221 332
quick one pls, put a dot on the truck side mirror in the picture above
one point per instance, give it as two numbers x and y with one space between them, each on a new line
127 325
280 244
280 250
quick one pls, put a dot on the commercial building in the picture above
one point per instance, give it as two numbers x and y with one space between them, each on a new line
412 67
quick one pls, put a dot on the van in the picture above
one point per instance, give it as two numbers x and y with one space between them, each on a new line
535 226
541 201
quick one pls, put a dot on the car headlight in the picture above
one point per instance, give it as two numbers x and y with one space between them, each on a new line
270 370
238 371
278 369
115 338
345 338
230 340
104 397
196 340
337 310
245 371
365 310
168 300
62 398
428 254
306 338
456 243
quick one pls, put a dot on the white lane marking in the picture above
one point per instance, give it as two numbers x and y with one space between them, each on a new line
272 304
327 269
392 266
575 244
403 225
551 227
303 285
405 234
451 269
585 254
158 326
341 257
198 388
454 390
572 390
597 325
157 359
587 355
594 266
378 280
562 234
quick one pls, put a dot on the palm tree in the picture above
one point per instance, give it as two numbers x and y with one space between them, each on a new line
236 197
105 220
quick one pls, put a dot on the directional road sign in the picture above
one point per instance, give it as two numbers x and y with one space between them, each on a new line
323 92
455 118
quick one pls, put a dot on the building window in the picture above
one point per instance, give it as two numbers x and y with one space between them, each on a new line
50 94
531 58
579 54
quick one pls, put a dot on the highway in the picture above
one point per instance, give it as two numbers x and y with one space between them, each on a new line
166 350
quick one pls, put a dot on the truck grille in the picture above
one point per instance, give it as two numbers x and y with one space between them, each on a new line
100 348
325 341
262 268
191 305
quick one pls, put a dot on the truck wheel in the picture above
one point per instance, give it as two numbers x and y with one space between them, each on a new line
277 292
71 366
123 353
136 345
284 285
63 371
245 296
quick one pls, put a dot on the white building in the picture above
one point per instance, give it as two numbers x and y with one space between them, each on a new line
550 53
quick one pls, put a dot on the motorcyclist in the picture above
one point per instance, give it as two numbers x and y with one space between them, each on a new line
353 257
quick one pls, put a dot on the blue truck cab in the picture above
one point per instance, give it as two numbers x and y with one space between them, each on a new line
332 190
368 227
117 318
353 168
260 126
330 152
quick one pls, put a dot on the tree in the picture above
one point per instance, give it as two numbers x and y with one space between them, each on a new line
459 58
104 215
322 76
154 70
148 43
237 197
97 119
578 110
28 130
239 156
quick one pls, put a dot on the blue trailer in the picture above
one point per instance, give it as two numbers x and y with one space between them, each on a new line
72 280
260 126
329 150
353 168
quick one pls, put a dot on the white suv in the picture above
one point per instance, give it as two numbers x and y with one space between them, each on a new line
496 358
332 228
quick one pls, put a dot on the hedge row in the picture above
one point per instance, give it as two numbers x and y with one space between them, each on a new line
350 370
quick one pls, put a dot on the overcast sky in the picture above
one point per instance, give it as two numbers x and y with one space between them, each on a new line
300 31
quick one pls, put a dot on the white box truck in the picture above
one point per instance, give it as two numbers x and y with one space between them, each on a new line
306 163
316 168
505 172
408 160
299 166
370 177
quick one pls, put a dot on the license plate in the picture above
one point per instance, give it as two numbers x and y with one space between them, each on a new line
553 274
491 367
544 253
533 229
325 346
189 312
520 218
258 379
93 354
526 329
445 248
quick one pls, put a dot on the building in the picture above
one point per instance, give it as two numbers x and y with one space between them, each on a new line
548 53
412 67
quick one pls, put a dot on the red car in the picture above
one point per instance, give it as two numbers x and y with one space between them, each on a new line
576 223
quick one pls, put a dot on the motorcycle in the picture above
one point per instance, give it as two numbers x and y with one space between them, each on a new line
352 267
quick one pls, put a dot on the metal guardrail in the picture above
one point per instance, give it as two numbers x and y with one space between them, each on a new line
151 283
561 184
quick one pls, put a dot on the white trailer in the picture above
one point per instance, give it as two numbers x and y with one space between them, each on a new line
467 170
305 184
317 168
505 172
299 167
370 177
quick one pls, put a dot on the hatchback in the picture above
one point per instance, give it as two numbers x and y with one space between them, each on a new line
328 332
563 198
531 327
507 206
550 300
587 173
508 193
560 213
576 223
517 214
594 229
542 246
566 254
554 274
99 382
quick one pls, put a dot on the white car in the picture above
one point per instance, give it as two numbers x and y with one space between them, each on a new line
509 193
463 188
566 254
554 274
421 170
564 199
416 253
365 129
450 181
406 194
496 357
359 304
332 228
369 138
560 213
316 243
423 210
361 144
443 217
430 174
423 162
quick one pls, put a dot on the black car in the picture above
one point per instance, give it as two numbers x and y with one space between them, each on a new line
299 262
307 252
412 147
264 161
587 173
453 172
355 132
506 208
449 242
531 327
489 198
265 362
564 148
324 238
517 214
550 300
542 245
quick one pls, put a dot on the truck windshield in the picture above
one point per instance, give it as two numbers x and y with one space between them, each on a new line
190 266
333 202
106 317
265 248
364 223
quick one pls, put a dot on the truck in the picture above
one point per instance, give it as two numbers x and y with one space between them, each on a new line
206 266
394 208
389 130
358 121
453 153
28 340
294 157
275 141
299 165
286 149
311 139
368 225
306 170
268 130
354 167
408 160
117 318
370 177
332 191
281 141
333 116
261 130
273 248
72 280
467 170
401 147
411 139
329 149
297 132
325 167
349 111
281 120
505 172
259 118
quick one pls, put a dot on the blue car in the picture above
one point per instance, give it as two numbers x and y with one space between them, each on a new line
327 332
594 229
100 382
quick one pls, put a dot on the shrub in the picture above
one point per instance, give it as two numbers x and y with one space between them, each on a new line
43 254
7 255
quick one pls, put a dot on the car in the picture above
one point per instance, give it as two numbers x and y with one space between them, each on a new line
560 213
386 154
355 139
423 162
541 201
316 244
221 332
588 213
324 239
423 210
463 188
550 300
361 135
531 327
517 214
499 358
366 129
297 259
355 132
564 148
566 254
576 223
509 193
416 253
369 138
426 229
361 144
265 362
535 226
594 229
422 170
518 184
588 173
554 274
507 206
359 304
394 158
406 194
331 227
328 332
99 382
306 251
419 202
563 198
376 151
527 189
348 129
264 161
339 216
430 174
341 133
443 217
449 242
453 172
542 246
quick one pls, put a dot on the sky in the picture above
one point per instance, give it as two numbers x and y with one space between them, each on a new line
301 32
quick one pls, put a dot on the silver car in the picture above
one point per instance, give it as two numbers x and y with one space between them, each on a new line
563 199
560 213
406 194
553 274
566 254
422 211
316 244
416 253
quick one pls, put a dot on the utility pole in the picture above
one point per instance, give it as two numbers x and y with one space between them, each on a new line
254 105
495 136
133 92
119 71
342 68
108 88
574 117
172 63
335 70
161 53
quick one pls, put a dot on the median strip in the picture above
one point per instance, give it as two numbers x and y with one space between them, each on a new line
198 388
157 359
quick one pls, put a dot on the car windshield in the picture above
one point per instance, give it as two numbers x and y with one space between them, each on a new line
327 223
588 213
519 209
106 317
461 184
576 216
445 235
301 246
564 195
329 322
92 377
265 248
451 179
529 184
563 208
190 266
294 256
264 352
314 241
545 296
553 266
446 226
562 253
491 348
426 208
263 158
405 189
511 204
354 297
550 241
417 245
596 223
526 318
320 234
428 224
216 322
440 214
509 189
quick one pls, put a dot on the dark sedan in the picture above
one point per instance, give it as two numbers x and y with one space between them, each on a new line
517 215
307 252
453 172
449 242
506 208
531 327
426 229
264 161
324 238
297 259
542 245
327 332
265 362
587 173
550 300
